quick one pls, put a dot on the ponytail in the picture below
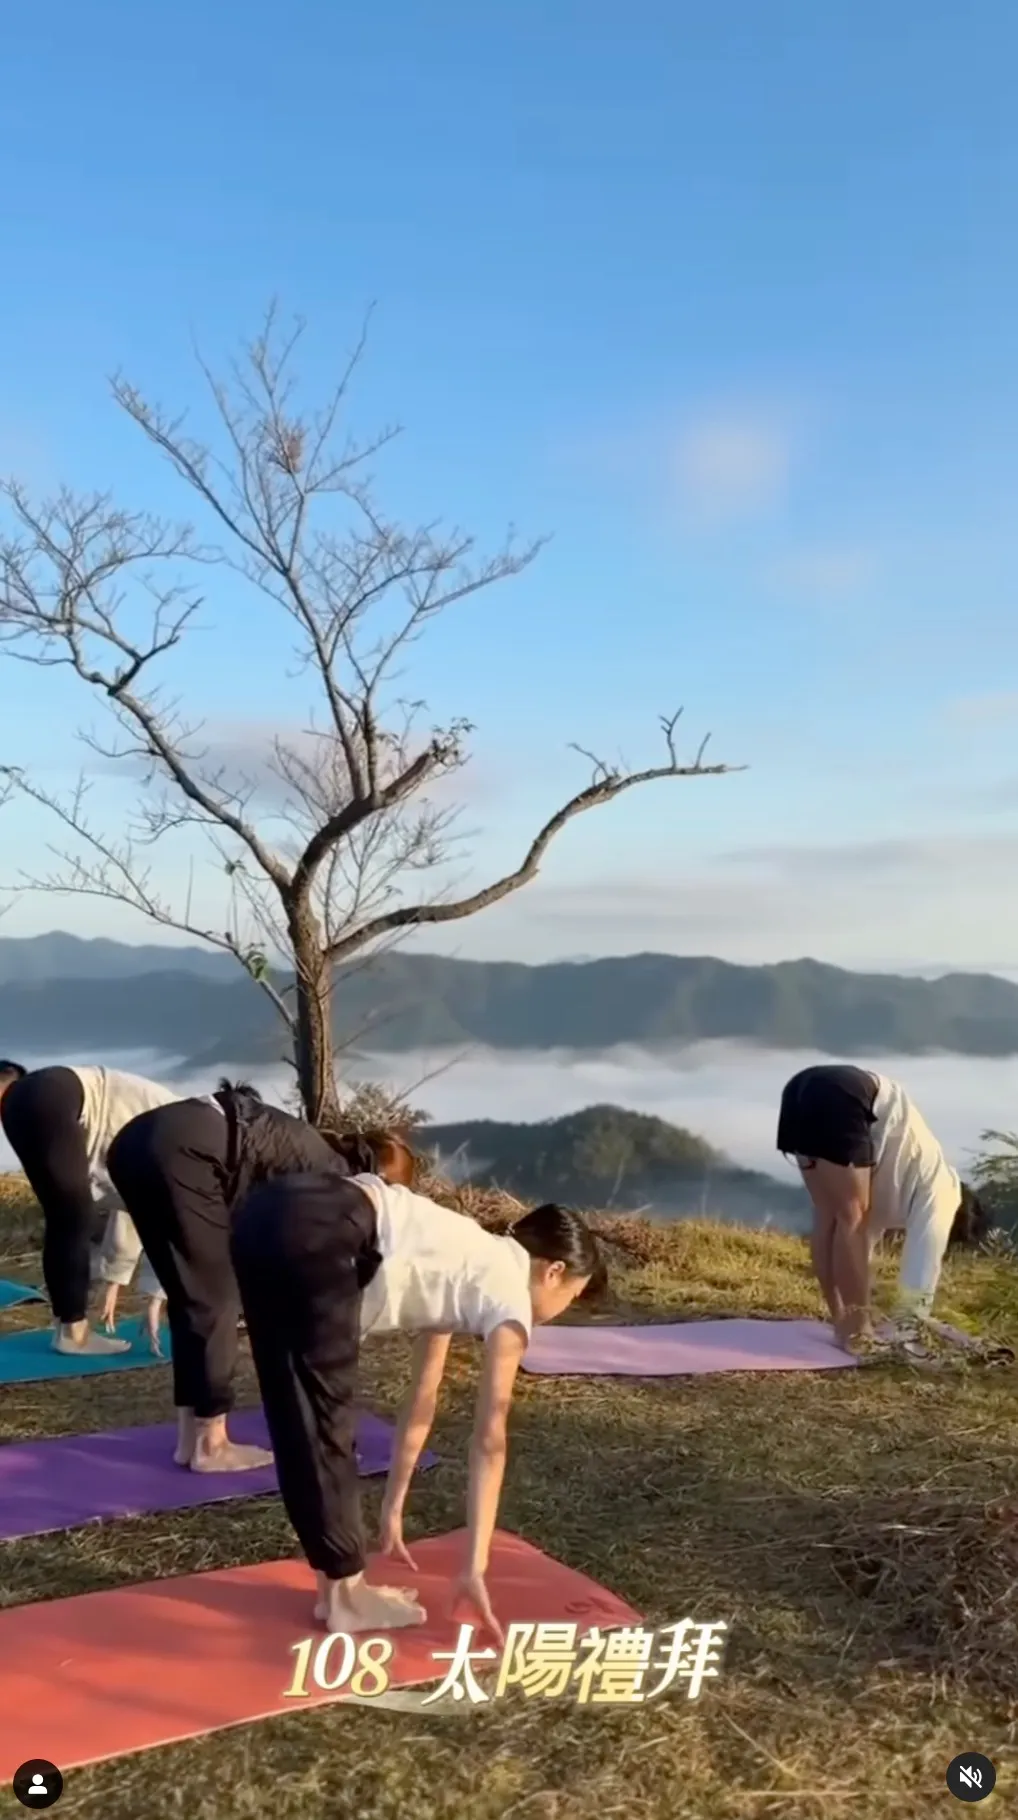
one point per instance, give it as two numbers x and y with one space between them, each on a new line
241 1089
557 1235
379 1153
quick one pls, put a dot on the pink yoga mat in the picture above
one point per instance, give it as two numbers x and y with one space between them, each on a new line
687 1348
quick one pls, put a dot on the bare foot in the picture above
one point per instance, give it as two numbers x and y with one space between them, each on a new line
372 1608
345 1590
229 1456
88 1345
322 1597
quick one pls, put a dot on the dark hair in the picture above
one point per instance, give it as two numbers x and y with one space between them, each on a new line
374 1153
557 1235
12 1071
972 1221
240 1087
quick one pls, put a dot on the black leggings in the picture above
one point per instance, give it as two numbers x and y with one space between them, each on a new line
169 1168
304 1249
41 1117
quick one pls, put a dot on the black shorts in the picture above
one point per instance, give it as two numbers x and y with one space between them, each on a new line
827 1115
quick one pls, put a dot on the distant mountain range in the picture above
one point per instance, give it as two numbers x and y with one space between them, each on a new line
62 995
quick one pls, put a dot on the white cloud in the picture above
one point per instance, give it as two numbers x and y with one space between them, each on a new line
825 575
879 904
731 465
994 708
727 1091
240 756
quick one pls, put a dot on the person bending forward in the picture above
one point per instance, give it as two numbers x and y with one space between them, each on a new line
321 1262
180 1170
60 1123
871 1165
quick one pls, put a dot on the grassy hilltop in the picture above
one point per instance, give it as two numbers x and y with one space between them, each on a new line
853 1676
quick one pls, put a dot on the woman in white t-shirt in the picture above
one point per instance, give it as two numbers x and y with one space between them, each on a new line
320 1262
871 1166
60 1123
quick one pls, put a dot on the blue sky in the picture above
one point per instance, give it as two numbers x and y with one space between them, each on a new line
720 297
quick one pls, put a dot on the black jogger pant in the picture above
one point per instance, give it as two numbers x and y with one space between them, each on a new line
170 1169
304 1249
41 1117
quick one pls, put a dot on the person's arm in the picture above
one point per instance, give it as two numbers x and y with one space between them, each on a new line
115 1260
430 1353
118 1255
928 1228
503 1353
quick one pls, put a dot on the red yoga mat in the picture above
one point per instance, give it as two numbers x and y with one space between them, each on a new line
86 1679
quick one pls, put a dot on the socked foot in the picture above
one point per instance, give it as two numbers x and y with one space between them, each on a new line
80 1341
368 1608
229 1456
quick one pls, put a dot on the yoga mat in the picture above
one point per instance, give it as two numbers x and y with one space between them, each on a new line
690 1347
94 1677
63 1483
28 1358
13 1294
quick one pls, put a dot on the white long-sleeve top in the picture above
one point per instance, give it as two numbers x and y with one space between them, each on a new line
915 1191
112 1100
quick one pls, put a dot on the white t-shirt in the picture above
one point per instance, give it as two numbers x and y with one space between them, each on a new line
440 1271
112 1100
915 1190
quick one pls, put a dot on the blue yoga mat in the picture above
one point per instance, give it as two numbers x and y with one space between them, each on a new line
11 1293
28 1358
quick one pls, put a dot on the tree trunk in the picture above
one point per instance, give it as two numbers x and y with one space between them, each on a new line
312 1039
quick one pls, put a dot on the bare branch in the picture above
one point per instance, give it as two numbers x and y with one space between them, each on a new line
608 784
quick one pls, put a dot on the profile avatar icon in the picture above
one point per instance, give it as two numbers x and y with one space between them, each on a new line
38 1784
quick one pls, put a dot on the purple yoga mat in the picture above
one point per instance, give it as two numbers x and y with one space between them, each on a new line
688 1348
75 1479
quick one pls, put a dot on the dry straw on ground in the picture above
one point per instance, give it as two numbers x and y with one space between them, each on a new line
939 1574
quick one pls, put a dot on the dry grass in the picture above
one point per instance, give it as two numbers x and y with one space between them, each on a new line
863 1656
940 1574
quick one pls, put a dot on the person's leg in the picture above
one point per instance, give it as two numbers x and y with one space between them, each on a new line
173 1192
301 1302
821 1245
840 1245
826 1121
41 1116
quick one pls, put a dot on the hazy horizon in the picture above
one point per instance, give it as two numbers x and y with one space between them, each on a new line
726 1092
175 942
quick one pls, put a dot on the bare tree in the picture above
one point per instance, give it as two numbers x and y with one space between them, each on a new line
108 593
